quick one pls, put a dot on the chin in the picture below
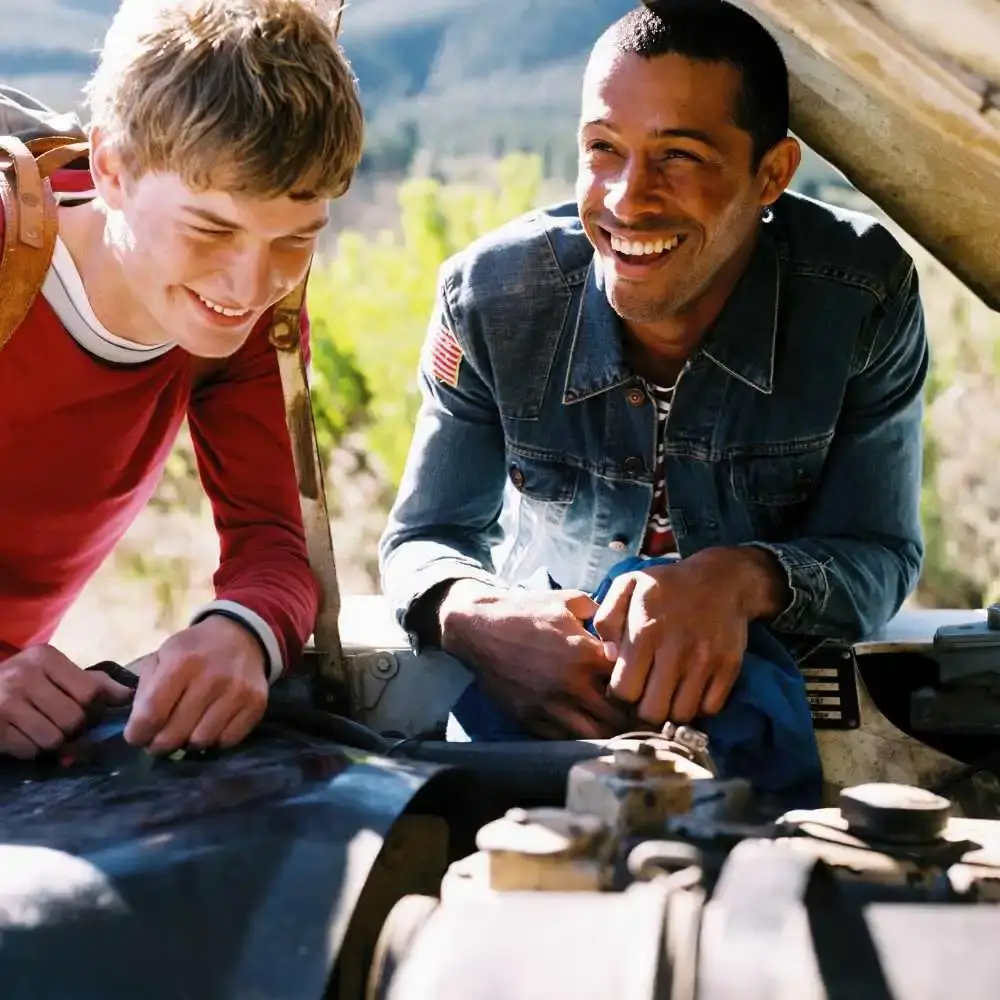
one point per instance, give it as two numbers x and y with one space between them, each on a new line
213 348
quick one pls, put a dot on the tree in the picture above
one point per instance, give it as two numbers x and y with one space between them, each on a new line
371 302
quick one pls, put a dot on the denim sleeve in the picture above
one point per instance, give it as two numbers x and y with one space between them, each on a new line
861 548
445 519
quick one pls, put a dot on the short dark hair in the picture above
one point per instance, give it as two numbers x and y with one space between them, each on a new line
715 31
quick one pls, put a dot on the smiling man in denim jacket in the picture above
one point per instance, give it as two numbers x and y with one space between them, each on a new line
688 360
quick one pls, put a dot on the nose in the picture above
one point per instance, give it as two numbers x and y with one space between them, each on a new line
252 275
633 192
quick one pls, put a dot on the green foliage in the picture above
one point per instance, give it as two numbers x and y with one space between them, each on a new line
371 302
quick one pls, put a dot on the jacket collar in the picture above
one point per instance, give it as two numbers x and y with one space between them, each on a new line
742 342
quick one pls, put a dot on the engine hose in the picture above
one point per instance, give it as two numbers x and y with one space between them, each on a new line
291 714
532 770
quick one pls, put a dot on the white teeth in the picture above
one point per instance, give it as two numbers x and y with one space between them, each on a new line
635 248
215 307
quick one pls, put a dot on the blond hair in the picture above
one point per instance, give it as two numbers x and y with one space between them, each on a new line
255 96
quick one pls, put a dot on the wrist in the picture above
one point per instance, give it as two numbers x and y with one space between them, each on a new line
758 580
234 629
459 605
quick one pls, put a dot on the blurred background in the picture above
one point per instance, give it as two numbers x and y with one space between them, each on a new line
471 108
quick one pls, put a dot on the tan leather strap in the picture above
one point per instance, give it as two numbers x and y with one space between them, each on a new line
52 157
31 224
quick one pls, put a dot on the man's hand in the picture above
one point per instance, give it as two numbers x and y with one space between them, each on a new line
45 698
204 687
678 631
532 654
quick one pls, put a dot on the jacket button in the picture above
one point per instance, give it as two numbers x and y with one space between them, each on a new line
633 466
618 544
517 477
635 396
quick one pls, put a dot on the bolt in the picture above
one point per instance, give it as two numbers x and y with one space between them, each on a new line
693 739
384 665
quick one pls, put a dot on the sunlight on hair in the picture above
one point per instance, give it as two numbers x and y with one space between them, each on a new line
253 95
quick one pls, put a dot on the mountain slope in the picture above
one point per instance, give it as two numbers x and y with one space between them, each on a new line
462 75
453 76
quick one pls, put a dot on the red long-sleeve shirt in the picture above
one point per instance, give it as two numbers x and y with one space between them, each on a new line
83 443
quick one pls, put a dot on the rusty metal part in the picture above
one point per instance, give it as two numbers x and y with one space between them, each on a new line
542 849
285 335
678 742
633 791
964 859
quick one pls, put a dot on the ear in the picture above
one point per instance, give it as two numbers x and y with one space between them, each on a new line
777 168
108 170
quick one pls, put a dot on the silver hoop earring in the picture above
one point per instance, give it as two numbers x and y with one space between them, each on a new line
767 215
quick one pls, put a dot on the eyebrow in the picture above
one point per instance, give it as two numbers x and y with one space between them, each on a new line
697 134
222 223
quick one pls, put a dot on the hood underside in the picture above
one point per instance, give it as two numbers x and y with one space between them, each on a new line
899 96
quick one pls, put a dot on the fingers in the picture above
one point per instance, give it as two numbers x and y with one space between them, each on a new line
241 726
664 678
58 707
185 702
719 687
690 687
112 692
34 726
687 681
155 699
179 727
579 604
15 743
635 654
609 621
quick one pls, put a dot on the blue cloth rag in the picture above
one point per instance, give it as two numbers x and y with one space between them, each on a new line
764 733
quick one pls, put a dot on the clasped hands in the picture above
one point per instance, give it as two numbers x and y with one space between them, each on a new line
205 686
671 640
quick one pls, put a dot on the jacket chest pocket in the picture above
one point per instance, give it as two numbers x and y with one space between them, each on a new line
775 489
542 480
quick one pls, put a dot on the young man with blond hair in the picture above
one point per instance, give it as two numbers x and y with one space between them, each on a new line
219 130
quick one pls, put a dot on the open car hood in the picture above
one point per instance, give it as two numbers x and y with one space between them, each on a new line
897 94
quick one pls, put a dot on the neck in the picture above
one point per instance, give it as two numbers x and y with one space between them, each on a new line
658 351
84 230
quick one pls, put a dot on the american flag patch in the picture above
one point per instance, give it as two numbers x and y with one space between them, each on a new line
446 357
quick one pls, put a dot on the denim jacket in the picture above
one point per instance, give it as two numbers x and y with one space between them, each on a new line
796 425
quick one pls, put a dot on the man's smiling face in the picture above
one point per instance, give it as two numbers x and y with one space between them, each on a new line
667 188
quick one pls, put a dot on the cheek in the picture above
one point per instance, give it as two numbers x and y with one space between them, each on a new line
588 189
704 193
288 269
185 260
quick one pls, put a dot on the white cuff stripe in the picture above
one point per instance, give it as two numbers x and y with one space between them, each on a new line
253 621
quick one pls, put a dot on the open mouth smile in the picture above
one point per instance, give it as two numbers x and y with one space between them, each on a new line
634 254
217 313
